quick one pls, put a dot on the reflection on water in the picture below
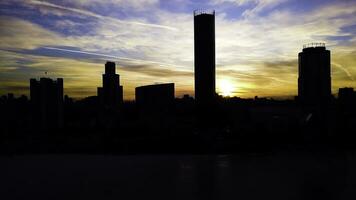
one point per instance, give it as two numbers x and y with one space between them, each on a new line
178 177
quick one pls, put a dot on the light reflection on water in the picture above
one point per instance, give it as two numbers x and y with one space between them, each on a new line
178 177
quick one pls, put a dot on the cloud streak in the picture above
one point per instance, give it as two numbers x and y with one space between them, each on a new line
91 14
344 70
115 58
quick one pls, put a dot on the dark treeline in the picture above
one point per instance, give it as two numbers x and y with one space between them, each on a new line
231 125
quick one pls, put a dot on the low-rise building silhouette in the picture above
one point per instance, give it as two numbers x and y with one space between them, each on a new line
47 102
111 94
347 95
314 81
158 97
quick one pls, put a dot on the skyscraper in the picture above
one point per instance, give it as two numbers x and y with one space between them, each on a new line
47 102
314 81
204 56
111 94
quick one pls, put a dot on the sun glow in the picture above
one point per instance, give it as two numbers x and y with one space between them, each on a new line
226 87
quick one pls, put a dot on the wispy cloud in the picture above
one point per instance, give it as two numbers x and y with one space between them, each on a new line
255 6
123 4
89 14
344 70
115 58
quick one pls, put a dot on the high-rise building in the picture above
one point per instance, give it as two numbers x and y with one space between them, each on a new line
111 94
314 81
204 56
47 102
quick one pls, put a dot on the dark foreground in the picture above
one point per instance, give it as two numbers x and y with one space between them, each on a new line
254 176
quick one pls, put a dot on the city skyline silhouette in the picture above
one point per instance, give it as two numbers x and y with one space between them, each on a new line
153 99
220 124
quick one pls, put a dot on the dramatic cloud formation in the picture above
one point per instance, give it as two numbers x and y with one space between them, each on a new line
257 42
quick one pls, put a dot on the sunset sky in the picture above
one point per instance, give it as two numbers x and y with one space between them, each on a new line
151 41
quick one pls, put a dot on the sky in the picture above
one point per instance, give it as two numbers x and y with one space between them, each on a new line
151 41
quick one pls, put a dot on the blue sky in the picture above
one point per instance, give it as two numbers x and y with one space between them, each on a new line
257 42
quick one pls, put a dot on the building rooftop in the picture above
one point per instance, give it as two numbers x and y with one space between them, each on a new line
202 12
156 85
313 45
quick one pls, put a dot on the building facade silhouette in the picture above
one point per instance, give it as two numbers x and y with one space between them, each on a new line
347 95
314 81
111 94
158 97
204 56
47 102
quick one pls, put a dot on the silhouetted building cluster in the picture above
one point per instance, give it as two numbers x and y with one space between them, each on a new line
158 122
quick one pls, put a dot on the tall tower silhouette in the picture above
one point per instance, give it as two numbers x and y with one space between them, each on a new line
111 94
314 81
204 56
